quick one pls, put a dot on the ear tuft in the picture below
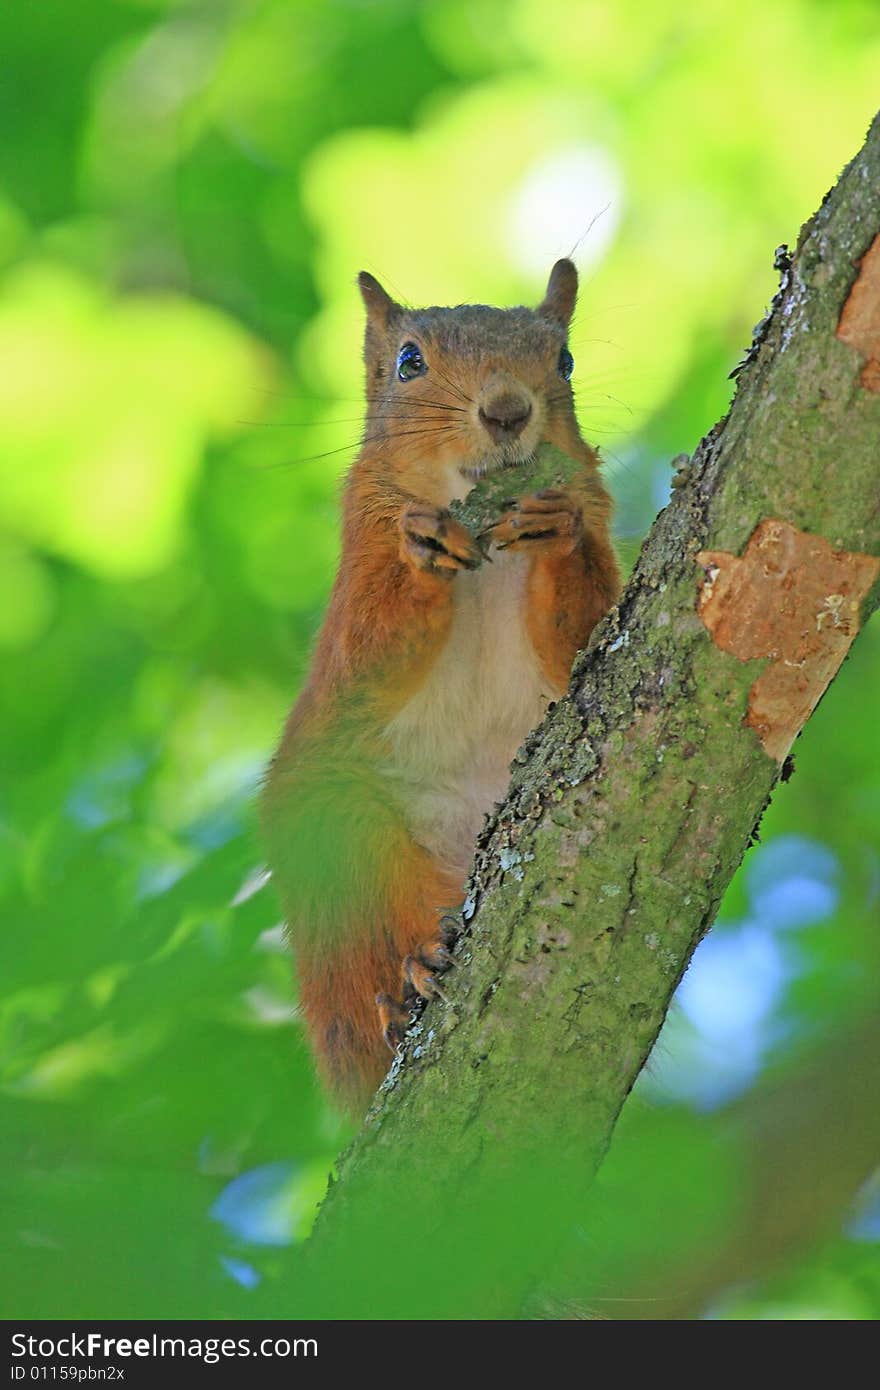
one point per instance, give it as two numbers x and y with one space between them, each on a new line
561 296
381 308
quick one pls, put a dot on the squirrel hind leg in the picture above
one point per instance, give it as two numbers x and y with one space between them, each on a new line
418 974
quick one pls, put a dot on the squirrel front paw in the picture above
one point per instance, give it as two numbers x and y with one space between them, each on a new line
551 519
432 540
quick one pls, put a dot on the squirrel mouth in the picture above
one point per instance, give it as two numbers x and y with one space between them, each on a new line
510 456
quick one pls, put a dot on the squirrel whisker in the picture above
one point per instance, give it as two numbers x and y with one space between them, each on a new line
357 443
455 389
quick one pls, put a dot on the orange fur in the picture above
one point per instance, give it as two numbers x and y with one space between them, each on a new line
429 671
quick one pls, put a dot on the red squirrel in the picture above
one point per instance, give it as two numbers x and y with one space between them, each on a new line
432 665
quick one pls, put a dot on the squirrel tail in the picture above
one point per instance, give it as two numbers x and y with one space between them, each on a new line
340 973
359 895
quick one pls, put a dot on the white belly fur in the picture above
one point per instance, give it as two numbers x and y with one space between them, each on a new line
452 744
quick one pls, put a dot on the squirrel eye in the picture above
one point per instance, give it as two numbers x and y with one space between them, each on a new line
565 366
410 362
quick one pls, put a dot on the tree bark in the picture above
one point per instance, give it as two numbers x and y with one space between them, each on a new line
631 806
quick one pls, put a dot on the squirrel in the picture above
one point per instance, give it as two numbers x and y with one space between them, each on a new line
432 664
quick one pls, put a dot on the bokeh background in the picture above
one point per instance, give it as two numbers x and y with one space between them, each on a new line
187 191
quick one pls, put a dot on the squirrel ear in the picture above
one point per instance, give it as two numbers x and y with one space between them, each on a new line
381 308
561 296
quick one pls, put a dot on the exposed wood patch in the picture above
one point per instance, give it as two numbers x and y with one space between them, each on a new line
795 600
859 324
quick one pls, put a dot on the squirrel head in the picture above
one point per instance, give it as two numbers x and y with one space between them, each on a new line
453 393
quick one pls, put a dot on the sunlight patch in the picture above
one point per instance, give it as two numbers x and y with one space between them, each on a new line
567 205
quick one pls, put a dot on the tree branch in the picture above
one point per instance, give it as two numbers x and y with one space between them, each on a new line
632 805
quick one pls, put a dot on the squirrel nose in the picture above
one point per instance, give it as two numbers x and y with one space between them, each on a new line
505 416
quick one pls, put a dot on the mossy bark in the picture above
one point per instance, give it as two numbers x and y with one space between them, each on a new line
632 805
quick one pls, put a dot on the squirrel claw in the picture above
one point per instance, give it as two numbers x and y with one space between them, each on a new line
450 930
484 547
420 971
418 974
422 979
394 1020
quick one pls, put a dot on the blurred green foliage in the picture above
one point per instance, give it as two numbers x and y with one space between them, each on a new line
186 193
